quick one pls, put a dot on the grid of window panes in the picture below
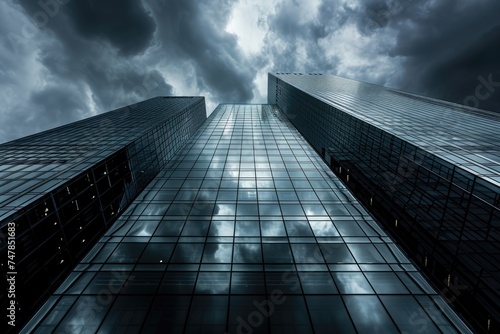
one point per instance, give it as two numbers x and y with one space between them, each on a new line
447 218
38 163
246 230
461 135
60 209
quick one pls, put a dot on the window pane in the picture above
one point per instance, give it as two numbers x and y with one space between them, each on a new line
247 283
277 253
385 283
317 283
247 228
298 228
178 282
336 253
368 315
169 228
168 314
222 228
247 253
352 282
323 228
290 316
408 314
218 253
328 314
307 253
157 253
187 253
365 253
212 283
127 314
207 315
273 228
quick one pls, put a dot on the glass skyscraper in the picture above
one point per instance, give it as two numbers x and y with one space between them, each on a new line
427 170
310 214
61 189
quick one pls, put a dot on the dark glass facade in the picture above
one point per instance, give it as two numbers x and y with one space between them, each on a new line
61 189
428 170
246 230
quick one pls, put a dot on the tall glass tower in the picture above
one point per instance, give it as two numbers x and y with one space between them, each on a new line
61 189
246 230
427 170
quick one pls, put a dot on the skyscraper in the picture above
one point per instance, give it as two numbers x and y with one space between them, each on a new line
62 188
427 170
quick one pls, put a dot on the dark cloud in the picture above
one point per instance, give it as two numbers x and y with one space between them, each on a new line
194 31
460 78
63 63
375 15
89 59
293 44
59 100
330 17
448 48
124 23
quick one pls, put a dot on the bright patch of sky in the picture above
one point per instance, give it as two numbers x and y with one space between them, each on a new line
247 22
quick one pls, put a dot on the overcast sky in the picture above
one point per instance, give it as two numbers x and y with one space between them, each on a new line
63 60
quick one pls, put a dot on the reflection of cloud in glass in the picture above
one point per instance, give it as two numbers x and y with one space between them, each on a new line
222 228
265 183
266 195
186 195
231 170
224 209
298 228
247 253
187 253
247 183
365 253
144 232
247 173
126 253
212 283
143 229
272 228
307 253
229 126
196 228
247 195
262 165
247 228
247 209
77 319
218 253
155 209
352 283
223 253
323 228
314 210
369 311
216 164
269 210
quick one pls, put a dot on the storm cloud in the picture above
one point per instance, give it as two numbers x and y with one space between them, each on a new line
449 48
63 60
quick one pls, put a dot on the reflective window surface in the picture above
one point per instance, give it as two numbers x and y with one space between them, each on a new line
246 230
428 171
63 188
